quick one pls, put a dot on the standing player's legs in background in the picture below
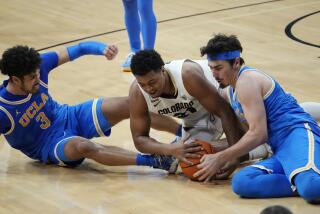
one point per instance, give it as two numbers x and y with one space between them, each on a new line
148 23
139 17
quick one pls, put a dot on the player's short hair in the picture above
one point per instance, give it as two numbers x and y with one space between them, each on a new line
222 43
19 61
146 61
277 209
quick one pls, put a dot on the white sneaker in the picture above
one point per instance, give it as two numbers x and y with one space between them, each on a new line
127 63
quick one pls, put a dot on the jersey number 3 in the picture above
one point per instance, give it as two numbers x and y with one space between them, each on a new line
45 122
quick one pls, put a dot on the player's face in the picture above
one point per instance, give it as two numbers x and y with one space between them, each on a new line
222 71
152 83
31 82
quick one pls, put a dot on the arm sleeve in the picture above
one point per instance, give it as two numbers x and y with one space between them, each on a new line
86 48
49 61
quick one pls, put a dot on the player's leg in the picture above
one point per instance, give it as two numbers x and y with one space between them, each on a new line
308 185
95 118
116 109
71 151
300 157
78 148
148 23
313 109
264 179
132 21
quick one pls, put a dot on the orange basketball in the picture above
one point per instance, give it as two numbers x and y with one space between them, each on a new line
189 170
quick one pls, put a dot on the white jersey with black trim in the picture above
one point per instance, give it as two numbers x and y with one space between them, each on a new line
184 106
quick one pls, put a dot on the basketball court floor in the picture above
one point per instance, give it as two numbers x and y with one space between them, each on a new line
281 38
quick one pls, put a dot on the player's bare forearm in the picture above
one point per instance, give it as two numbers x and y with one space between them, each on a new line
146 144
249 141
231 126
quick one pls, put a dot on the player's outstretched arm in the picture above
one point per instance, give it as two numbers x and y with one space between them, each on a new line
73 52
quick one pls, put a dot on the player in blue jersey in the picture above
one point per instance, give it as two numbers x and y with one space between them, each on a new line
270 115
45 130
139 19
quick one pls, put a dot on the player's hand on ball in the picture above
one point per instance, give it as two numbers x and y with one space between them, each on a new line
111 51
209 166
227 170
182 151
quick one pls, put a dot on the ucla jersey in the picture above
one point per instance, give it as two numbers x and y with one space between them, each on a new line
282 110
26 121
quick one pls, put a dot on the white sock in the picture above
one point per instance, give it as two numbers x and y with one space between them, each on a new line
262 151
313 109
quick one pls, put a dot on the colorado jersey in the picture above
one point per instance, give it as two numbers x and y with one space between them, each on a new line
184 106
27 121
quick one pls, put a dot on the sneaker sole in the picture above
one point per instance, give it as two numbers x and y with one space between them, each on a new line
174 166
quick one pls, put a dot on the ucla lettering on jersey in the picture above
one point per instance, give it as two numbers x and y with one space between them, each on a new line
27 120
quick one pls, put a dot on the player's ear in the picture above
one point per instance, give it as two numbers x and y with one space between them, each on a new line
236 63
16 80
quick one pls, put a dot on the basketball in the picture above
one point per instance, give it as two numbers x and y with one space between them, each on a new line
189 170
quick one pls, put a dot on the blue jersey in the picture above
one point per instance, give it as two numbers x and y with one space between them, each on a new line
282 111
28 121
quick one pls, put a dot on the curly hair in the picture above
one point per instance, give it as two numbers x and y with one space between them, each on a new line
222 43
19 61
146 61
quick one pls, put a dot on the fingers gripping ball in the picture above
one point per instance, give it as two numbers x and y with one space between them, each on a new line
189 170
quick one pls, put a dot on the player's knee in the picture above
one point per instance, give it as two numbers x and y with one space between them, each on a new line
310 192
145 11
309 188
242 183
86 148
308 185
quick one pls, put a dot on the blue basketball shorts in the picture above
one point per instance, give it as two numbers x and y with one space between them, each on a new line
299 151
83 120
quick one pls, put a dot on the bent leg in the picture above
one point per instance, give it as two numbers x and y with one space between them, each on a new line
264 179
308 185
71 151
299 155
116 109
78 148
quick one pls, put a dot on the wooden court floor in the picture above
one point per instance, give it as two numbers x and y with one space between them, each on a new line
27 186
